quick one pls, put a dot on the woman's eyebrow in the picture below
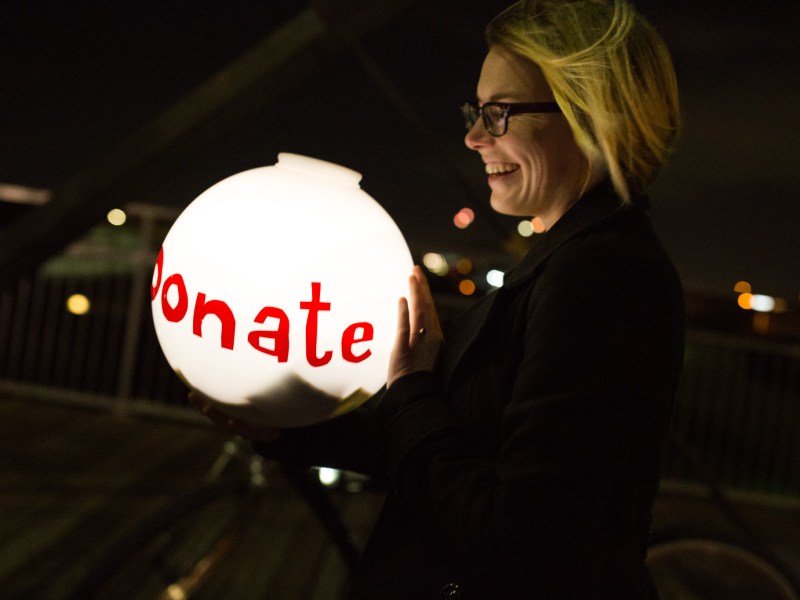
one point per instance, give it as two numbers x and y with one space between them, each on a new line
499 98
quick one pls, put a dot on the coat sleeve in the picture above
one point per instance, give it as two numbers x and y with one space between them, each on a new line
592 390
350 442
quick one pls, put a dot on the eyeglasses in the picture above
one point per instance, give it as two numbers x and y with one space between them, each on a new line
495 114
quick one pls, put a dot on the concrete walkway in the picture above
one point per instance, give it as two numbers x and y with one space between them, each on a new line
73 480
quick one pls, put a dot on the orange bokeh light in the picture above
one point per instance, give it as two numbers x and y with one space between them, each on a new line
464 218
745 301
466 287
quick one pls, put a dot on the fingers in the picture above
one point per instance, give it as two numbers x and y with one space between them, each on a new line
423 310
403 325
418 301
419 335
206 406
220 419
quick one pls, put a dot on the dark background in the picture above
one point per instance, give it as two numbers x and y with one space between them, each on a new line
77 78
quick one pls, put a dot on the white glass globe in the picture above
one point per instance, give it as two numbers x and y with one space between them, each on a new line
275 292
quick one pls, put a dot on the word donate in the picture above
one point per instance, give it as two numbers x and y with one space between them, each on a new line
277 289
203 307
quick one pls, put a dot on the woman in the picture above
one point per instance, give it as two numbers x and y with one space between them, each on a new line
523 455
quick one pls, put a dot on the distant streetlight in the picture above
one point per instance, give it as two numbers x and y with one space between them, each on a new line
116 216
78 304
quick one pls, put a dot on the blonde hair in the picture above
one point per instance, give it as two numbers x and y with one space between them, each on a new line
611 74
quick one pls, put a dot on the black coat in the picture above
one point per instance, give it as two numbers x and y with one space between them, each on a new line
527 464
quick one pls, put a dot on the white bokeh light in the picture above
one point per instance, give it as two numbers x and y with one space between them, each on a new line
495 278
762 303
116 216
525 228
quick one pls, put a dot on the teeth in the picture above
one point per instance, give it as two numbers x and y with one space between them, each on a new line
497 168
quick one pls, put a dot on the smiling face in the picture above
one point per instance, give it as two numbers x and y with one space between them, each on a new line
536 168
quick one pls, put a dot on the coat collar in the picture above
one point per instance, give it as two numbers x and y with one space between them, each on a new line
599 205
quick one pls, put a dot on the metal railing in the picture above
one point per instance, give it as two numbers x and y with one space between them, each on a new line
738 404
107 354
738 407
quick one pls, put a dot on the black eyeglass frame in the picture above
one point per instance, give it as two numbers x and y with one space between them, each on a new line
471 112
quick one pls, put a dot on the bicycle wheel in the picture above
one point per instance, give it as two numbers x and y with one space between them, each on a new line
711 569
173 552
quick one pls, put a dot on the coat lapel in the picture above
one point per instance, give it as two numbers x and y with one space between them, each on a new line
467 328
598 206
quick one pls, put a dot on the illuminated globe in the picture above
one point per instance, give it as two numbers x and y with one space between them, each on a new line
275 292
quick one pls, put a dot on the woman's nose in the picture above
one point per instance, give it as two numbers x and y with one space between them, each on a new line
476 136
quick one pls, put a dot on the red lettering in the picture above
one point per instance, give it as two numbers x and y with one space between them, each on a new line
349 338
280 337
160 268
313 307
219 309
176 313
355 333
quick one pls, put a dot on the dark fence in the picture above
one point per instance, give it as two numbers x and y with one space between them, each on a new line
738 407
738 404
96 353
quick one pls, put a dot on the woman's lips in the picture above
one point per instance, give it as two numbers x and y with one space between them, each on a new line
500 168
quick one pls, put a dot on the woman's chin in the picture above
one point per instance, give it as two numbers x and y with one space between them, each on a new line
501 203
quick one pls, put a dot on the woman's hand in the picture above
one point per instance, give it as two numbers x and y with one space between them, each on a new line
419 335
215 413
